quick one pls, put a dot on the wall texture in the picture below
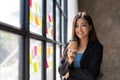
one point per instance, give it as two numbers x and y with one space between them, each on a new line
106 17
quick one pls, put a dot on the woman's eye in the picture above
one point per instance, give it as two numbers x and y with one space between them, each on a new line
84 25
76 26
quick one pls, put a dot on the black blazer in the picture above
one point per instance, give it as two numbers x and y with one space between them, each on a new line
90 63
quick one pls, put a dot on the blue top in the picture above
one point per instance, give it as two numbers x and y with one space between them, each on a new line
76 61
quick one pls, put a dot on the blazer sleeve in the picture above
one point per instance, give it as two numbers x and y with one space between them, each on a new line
95 62
64 65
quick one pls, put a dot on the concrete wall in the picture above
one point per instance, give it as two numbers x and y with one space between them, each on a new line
72 11
106 17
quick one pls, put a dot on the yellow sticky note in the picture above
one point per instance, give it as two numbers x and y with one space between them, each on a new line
39 50
36 7
51 49
31 17
30 58
41 23
35 67
50 63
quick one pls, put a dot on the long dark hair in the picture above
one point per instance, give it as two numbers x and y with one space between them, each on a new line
92 34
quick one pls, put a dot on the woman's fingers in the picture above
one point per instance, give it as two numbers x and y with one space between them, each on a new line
71 53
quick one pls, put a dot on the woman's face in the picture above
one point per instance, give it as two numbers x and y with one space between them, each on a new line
82 28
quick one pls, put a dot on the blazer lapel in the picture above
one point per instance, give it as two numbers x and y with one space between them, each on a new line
87 50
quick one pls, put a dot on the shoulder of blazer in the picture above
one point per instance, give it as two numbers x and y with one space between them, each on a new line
95 44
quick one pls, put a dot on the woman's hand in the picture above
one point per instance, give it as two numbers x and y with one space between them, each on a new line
71 54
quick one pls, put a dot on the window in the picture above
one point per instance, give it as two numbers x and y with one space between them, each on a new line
35 57
49 28
57 24
10 50
63 34
49 61
31 39
35 16
10 12
57 61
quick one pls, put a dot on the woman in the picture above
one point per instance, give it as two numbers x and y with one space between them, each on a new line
84 61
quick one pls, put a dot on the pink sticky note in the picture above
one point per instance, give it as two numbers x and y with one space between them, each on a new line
47 64
35 50
30 3
49 18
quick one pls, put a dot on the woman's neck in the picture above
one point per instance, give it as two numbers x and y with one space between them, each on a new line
83 42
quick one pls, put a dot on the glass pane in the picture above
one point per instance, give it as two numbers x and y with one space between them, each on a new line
49 28
35 59
49 61
10 12
62 2
57 24
62 29
58 1
35 16
10 49
57 62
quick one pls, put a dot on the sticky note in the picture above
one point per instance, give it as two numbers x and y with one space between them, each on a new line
35 51
30 4
50 63
36 7
49 18
39 50
51 23
47 64
35 67
48 50
36 20
40 22
30 58
31 17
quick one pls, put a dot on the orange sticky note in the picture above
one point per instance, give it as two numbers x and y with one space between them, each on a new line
49 50
36 20
51 23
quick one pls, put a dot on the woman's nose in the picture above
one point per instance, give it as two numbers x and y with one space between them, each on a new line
80 27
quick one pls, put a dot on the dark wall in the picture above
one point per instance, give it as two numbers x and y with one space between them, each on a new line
106 18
